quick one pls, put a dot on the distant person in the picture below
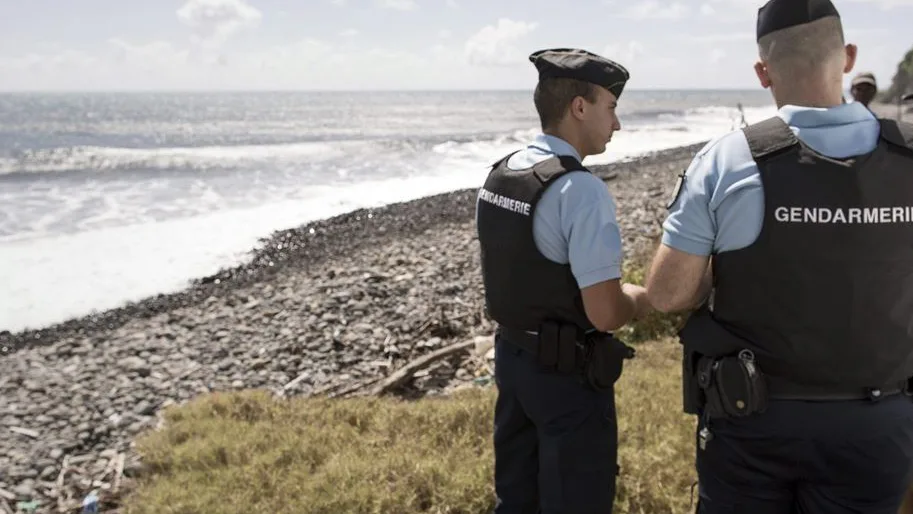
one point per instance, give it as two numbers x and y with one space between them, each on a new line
792 238
864 88
551 260
742 121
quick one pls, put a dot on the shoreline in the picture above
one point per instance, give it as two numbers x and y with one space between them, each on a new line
307 245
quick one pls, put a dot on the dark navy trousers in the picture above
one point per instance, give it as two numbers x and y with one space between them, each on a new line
555 439
809 458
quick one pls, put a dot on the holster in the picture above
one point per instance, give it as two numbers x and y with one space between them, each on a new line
567 349
605 356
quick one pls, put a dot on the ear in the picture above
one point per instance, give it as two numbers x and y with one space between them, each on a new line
578 107
851 53
760 70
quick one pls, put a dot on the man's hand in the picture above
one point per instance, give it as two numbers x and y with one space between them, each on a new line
638 294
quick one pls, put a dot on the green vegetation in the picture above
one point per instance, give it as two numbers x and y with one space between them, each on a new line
902 82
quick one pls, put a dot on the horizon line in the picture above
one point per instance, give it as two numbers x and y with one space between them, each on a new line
342 90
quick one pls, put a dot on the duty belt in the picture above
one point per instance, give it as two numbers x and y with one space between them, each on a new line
788 390
529 342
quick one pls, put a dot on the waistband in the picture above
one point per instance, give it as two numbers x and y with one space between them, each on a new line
782 389
527 341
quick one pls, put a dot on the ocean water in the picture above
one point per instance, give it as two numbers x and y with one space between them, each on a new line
109 198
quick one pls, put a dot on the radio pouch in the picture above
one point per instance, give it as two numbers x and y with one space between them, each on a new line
733 386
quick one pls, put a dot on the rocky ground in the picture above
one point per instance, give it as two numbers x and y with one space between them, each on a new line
326 307
884 110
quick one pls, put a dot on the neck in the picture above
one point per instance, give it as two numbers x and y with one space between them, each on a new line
810 93
570 136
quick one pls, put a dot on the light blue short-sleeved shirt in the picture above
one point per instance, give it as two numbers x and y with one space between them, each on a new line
721 204
574 221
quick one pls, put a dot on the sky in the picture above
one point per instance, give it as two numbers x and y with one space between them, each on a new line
114 45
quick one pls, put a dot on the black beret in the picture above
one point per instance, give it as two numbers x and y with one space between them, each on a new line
574 63
781 14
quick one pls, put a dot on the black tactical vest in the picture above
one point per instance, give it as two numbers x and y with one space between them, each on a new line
825 294
523 288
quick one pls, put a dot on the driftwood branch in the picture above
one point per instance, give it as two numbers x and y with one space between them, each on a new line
25 431
294 382
403 374
58 485
354 388
119 470
379 386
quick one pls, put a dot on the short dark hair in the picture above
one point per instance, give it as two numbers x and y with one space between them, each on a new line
803 49
553 97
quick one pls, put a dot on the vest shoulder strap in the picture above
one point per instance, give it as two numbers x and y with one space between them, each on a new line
503 160
769 137
554 167
897 132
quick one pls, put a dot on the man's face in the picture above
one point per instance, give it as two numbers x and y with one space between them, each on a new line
863 93
601 121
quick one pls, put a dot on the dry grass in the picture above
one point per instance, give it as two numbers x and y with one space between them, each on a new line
247 452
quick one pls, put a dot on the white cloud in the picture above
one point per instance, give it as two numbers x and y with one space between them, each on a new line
886 4
706 52
727 37
154 55
48 65
214 21
717 55
397 5
306 64
338 2
496 45
626 53
452 4
732 11
655 9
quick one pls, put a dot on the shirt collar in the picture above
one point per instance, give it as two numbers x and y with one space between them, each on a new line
553 144
813 117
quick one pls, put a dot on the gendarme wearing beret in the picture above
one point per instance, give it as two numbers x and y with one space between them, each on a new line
575 63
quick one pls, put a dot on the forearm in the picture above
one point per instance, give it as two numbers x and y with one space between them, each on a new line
627 310
677 280
676 301
703 289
